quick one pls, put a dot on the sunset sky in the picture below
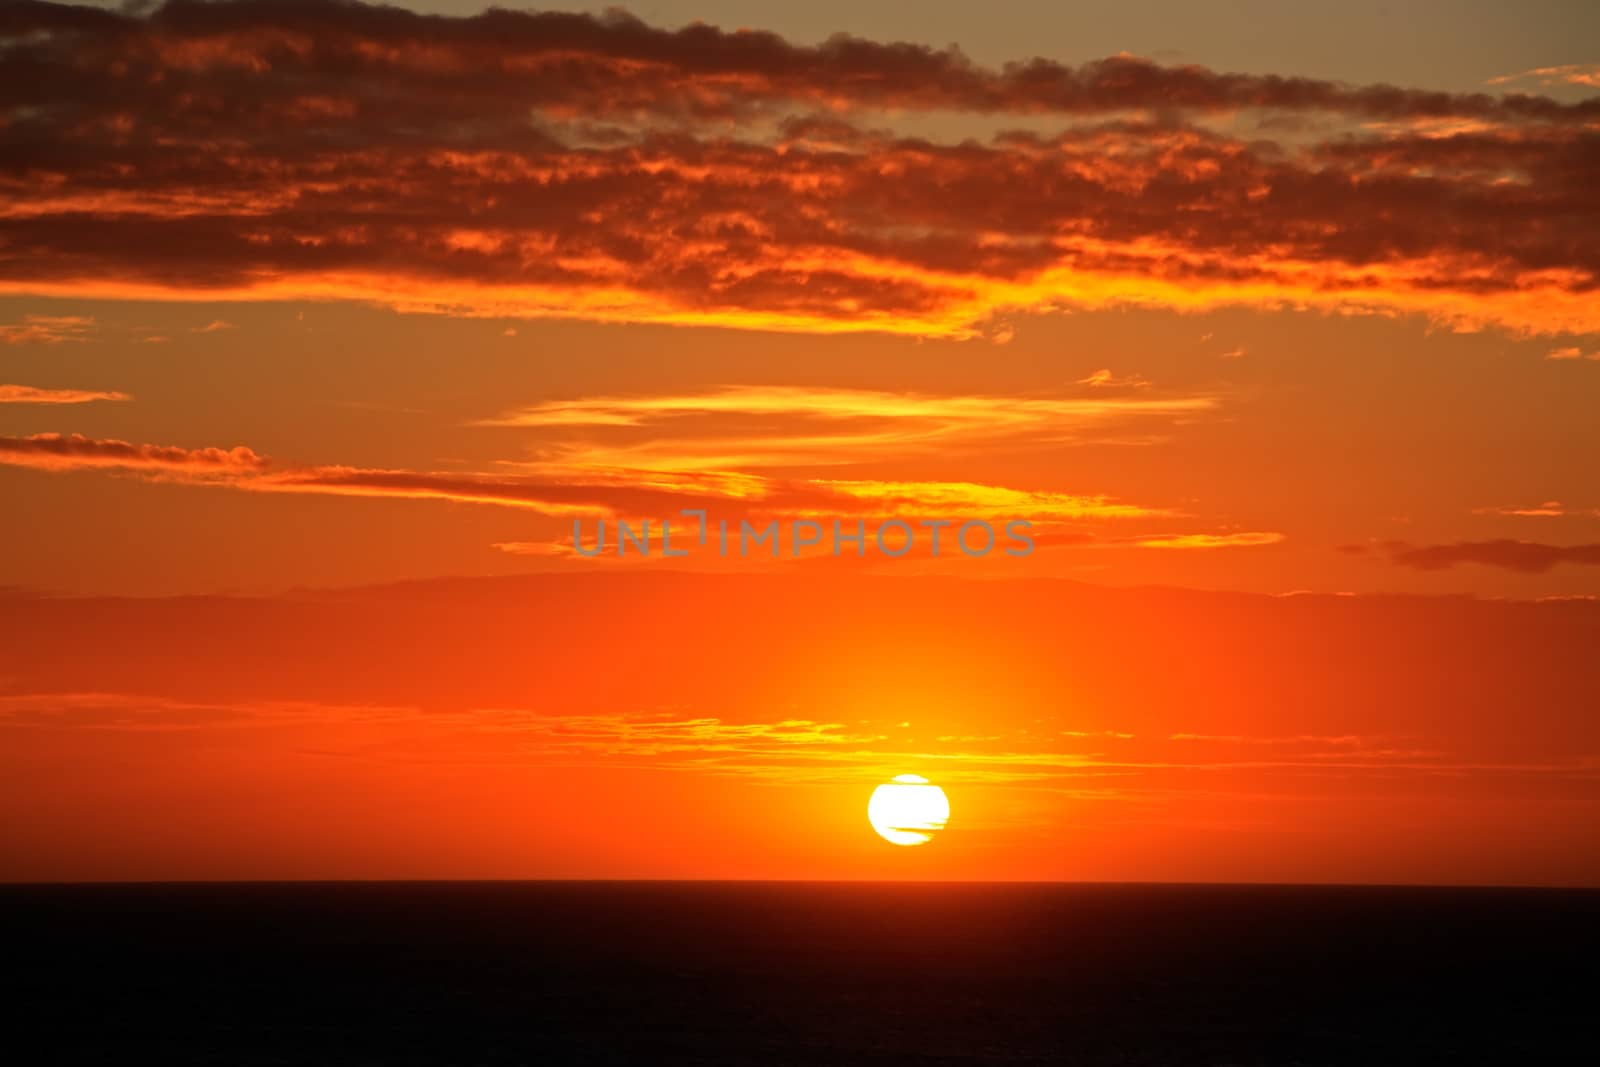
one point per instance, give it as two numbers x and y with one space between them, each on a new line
321 323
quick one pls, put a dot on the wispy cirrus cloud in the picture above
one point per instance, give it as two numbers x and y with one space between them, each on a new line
46 330
1104 378
753 427
547 164
947 415
1585 74
728 437
1240 539
27 394
1054 525
791 750
973 500
1059 518
1549 509
1526 557
571 494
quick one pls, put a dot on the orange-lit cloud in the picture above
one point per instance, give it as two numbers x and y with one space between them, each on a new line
1547 510
45 330
975 501
1585 74
648 495
782 426
1053 526
27 394
572 493
793 750
563 165
1243 539
1058 519
1104 377
948 415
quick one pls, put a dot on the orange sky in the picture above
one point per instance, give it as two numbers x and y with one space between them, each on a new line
299 301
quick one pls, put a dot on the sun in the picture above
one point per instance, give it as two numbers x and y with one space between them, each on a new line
908 810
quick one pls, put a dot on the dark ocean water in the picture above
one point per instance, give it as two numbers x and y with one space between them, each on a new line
645 973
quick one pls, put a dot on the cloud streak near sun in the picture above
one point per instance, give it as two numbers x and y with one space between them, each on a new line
789 750
777 426
566 494
531 165
734 451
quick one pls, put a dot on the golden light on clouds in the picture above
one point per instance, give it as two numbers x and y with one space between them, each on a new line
753 426
27 394
535 165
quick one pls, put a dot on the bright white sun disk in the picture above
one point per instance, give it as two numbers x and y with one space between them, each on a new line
908 810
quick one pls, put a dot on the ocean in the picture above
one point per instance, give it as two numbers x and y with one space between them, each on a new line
645 973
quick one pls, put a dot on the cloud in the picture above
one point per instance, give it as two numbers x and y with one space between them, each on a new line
545 549
45 330
984 413
214 326
27 394
54 451
1247 539
971 500
1572 352
1301 739
784 426
544 164
1585 74
129 712
571 493
791 750
566 500
1526 557
1059 670
1104 377
731 452
648 494
1056 524
615 65
1548 509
